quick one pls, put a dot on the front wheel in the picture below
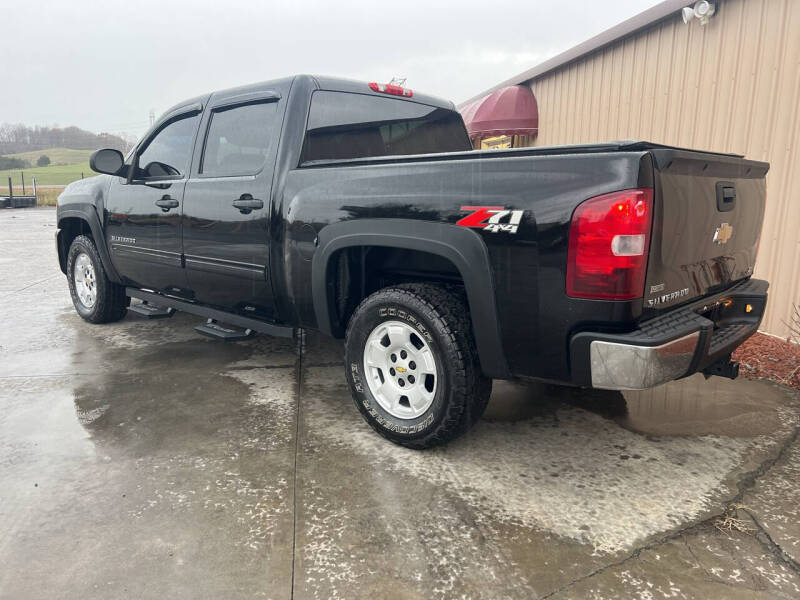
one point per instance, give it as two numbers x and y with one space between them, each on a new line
412 365
95 297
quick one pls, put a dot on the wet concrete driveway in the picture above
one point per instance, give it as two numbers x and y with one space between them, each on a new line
141 460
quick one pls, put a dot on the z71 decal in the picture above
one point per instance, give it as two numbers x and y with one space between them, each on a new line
492 219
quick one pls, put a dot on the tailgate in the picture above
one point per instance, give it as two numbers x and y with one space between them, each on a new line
709 209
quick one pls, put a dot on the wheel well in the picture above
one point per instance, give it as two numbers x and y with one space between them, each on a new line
357 271
70 228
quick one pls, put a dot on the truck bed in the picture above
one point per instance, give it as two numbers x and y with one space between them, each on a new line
612 146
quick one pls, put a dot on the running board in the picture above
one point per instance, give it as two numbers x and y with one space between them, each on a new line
211 313
151 311
227 334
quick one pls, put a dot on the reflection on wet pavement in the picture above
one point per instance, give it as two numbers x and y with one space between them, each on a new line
141 460
562 469
690 406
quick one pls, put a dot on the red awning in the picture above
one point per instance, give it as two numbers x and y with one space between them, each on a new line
510 110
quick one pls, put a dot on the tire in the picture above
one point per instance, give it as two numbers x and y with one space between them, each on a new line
429 321
95 297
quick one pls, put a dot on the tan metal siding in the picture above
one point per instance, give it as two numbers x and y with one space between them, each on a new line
730 86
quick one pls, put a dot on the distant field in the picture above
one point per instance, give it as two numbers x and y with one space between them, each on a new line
44 196
66 166
57 156
52 175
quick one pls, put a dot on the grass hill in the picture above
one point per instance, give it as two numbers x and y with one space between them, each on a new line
66 166
52 175
58 156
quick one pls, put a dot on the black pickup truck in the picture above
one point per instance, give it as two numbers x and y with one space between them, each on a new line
360 210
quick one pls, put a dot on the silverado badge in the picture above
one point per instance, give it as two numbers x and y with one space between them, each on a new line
723 234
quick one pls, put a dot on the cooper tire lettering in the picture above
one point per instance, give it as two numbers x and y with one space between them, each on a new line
356 377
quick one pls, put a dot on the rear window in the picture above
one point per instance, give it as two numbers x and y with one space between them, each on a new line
345 125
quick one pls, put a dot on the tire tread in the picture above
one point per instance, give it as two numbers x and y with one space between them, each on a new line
112 303
471 389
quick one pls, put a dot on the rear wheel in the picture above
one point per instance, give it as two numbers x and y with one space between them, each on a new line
95 297
412 366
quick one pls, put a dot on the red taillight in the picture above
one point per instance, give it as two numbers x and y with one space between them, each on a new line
388 88
608 243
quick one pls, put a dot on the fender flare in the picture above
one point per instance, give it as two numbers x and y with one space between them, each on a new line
462 247
89 216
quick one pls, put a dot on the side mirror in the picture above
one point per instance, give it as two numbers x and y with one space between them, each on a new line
106 161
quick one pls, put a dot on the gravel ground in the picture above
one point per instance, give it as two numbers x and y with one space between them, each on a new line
767 357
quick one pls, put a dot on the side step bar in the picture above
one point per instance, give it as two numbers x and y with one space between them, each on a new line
151 311
211 313
227 334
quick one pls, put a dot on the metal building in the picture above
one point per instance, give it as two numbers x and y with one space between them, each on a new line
729 85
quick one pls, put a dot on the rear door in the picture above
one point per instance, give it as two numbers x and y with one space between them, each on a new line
707 225
227 203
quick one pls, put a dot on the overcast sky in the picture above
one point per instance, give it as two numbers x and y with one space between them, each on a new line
104 65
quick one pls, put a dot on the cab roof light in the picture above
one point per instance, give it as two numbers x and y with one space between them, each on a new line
388 88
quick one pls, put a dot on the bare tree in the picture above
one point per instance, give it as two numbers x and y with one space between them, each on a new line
15 137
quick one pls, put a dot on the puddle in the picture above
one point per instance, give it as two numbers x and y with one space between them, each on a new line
694 406
541 460
605 469
691 406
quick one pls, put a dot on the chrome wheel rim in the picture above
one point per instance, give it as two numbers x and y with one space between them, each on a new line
401 369
85 281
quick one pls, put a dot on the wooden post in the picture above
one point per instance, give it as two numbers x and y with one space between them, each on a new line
81 174
34 187
22 174
10 193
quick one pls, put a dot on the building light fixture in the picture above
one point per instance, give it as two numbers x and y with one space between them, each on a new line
702 10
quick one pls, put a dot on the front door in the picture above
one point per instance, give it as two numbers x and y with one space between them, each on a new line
143 214
227 202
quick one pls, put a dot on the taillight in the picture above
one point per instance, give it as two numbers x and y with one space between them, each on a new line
608 243
388 88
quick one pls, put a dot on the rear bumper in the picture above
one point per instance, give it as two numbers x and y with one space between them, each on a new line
671 346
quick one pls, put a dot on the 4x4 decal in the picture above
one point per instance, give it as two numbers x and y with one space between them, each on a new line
492 218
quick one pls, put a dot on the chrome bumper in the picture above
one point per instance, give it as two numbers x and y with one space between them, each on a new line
627 367
672 345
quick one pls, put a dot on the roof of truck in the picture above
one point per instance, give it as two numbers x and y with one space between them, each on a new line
340 84
323 82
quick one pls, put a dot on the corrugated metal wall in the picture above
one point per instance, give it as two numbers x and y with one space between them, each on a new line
732 85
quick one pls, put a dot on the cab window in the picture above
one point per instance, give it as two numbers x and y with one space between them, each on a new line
166 155
239 139
344 125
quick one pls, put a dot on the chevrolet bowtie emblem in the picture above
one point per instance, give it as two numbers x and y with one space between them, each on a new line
723 234
401 370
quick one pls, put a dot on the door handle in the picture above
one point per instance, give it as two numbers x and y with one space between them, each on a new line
726 196
166 203
245 203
